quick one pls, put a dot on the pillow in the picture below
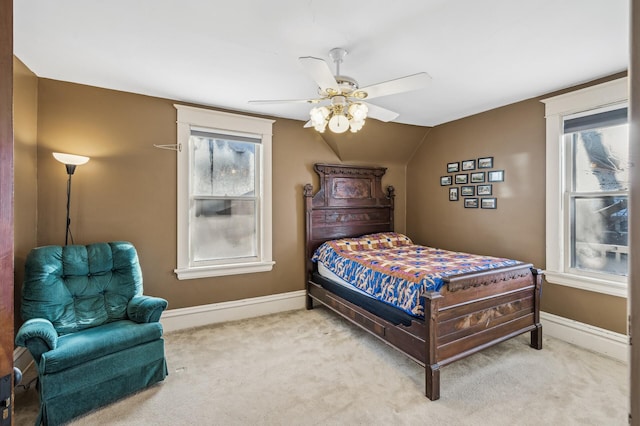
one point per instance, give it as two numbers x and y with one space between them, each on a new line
377 241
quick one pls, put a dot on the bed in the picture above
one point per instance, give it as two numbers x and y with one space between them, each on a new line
463 314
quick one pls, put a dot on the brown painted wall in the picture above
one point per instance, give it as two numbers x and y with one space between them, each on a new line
128 189
517 145
25 121
515 136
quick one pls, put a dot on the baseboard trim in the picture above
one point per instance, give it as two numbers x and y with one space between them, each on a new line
195 316
605 342
595 339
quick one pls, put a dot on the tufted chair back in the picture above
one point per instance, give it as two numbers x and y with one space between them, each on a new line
78 287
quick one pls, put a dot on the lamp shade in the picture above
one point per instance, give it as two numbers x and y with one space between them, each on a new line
72 159
339 124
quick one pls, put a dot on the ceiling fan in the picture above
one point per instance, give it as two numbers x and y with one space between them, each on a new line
345 108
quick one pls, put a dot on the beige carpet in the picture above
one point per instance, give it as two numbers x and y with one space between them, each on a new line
313 368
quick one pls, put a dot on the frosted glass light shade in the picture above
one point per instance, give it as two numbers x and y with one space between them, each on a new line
318 118
355 125
358 111
339 124
73 159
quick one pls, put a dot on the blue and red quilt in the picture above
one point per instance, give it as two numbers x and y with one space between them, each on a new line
389 267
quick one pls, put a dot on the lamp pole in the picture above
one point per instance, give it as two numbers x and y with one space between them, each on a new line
71 168
70 161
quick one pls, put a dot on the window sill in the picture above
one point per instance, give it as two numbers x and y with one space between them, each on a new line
612 288
222 270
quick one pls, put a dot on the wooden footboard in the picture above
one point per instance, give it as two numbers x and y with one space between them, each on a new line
476 311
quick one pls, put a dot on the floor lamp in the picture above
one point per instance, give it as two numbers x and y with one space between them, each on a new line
70 161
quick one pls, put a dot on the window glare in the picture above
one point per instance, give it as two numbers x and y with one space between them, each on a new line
222 167
601 160
599 223
600 229
223 229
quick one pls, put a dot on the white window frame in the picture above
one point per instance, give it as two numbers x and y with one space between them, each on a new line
615 92
221 122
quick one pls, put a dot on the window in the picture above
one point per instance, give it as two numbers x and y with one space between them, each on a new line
224 193
587 188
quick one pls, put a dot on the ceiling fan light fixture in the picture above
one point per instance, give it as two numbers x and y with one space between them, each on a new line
340 116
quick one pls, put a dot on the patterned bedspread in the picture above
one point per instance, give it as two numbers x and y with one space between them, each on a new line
389 267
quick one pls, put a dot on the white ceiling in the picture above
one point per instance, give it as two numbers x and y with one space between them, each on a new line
481 54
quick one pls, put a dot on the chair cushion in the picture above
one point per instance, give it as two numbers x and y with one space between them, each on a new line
77 348
77 287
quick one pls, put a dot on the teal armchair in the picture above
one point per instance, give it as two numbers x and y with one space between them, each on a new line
93 335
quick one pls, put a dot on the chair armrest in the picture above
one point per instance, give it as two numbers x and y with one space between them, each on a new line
38 335
143 309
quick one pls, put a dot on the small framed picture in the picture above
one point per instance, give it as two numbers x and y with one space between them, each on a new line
485 163
468 191
484 190
471 203
496 176
488 203
445 180
462 179
453 167
453 193
469 165
477 177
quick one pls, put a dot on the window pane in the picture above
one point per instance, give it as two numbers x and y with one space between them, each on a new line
221 167
600 234
601 159
222 229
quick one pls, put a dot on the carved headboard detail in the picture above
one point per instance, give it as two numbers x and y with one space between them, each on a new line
350 202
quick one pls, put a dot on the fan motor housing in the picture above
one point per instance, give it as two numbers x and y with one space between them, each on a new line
347 86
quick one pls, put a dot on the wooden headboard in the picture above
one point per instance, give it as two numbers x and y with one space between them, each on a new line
350 203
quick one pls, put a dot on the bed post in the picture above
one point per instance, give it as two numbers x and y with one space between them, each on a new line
536 333
391 195
431 366
308 207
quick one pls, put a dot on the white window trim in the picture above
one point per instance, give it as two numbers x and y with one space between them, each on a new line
189 117
557 107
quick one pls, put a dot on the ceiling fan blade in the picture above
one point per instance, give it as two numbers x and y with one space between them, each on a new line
287 101
380 113
399 85
320 73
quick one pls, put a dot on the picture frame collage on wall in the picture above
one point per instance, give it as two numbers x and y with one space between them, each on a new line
476 182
